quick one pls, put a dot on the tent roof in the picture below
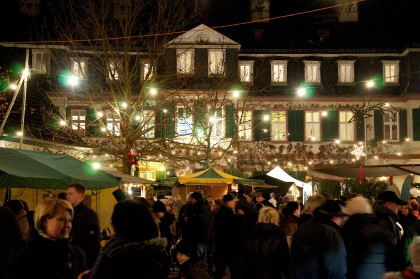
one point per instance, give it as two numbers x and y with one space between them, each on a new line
128 178
340 173
31 169
279 184
280 174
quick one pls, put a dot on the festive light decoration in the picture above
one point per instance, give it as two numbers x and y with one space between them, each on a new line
358 151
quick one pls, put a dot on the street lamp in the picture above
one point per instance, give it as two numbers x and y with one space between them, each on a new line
100 114
73 80
63 122
13 86
153 91
370 84
236 94
301 92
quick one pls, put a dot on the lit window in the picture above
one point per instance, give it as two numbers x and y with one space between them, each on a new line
78 120
185 61
217 61
113 123
78 67
115 68
245 125
148 119
312 126
391 71
184 125
312 71
147 71
391 127
346 71
216 123
40 62
346 127
278 126
246 71
279 71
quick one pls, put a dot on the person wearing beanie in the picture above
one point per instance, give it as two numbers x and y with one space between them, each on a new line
368 247
412 272
190 267
318 249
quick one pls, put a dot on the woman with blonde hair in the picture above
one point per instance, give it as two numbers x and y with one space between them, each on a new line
49 254
266 253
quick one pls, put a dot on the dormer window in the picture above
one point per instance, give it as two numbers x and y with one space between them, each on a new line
146 70
217 61
115 68
78 67
40 62
246 71
391 71
185 61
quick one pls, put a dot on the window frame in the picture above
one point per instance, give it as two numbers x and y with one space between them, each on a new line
115 124
312 63
274 115
308 137
114 69
221 72
278 63
76 123
390 123
388 63
221 120
348 125
180 52
245 128
340 77
143 72
245 63
78 61
45 60
189 122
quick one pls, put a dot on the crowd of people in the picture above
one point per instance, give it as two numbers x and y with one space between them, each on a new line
244 235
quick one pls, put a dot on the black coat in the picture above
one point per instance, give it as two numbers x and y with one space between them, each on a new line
265 254
43 258
132 260
368 248
387 220
85 232
196 220
193 270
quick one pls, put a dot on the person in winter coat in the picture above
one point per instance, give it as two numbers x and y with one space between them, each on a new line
318 249
368 248
85 232
166 220
290 220
49 255
136 250
412 232
412 272
190 267
17 207
266 253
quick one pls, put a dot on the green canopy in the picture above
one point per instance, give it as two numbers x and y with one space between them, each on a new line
38 170
209 176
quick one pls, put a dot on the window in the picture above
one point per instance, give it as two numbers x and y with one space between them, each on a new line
246 71
391 71
346 71
184 124
391 129
279 71
78 67
149 124
40 62
185 61
217 61
216 123
346 127
147 71
113 123
245 126
312 126
78 120
278 126
115 68
312 71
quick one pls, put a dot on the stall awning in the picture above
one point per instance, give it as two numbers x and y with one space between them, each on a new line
282 186
128 178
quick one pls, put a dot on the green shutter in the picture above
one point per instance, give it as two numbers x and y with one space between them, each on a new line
92 122
199 118
160 175
296 125
159 124
262 128
330 126
360 126
230 121
403 124
416 124
378 122
170 122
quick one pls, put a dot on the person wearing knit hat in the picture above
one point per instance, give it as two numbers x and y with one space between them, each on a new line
365 240
196 196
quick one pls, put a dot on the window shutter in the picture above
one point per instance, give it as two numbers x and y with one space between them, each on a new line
416 124
170 122
360 126
158 124
403 124
92 122
296 125
262 129
330 126
199 119
230 121
378 121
